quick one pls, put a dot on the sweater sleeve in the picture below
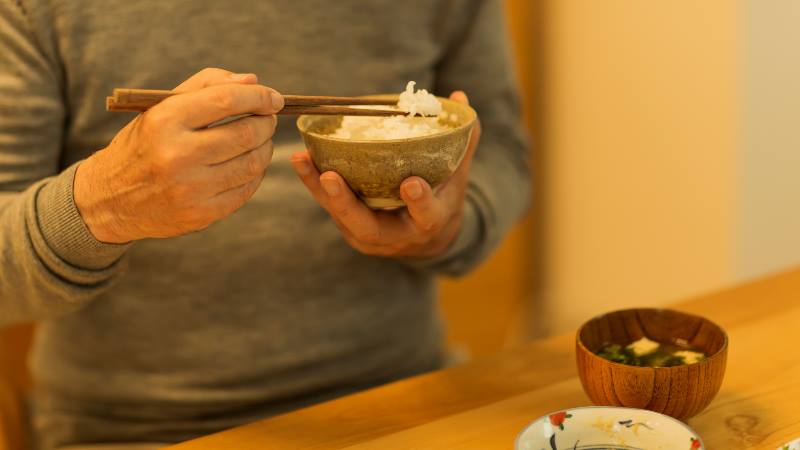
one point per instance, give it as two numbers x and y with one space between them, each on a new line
498 193
49 261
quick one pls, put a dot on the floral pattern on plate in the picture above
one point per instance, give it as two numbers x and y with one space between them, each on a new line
592 428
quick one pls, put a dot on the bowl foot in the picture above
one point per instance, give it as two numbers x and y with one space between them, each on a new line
386 204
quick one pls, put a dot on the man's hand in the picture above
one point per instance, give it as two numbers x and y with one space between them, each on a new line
167 174
425 228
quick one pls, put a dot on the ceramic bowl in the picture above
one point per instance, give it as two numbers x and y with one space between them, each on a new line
679 391
608 428
374 169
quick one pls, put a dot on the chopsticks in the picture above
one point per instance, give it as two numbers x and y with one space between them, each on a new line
139 100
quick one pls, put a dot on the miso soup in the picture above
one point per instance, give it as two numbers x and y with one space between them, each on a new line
648 353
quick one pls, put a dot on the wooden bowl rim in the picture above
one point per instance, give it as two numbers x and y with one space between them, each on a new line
302 125
707 360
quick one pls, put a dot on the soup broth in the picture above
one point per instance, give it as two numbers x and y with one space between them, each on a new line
647 353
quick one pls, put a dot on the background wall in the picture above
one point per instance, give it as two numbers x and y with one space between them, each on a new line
768 225
640 143
636 109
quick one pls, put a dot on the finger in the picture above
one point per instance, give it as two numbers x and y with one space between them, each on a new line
227 202
309 175
362 227
348 210
460 97
224 142
241 169
212 76
428 213
203 107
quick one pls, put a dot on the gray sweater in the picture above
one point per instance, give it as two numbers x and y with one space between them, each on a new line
268 309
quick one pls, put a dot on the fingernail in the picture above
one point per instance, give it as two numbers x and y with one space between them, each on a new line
277 100
414 190
302 166
331 187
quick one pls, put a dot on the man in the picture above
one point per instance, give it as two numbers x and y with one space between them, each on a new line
259 297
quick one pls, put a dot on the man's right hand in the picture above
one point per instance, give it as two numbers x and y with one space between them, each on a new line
167 174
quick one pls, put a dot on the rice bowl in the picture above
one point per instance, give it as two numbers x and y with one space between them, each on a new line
374 163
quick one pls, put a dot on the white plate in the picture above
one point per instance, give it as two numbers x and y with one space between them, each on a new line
794 445
608 428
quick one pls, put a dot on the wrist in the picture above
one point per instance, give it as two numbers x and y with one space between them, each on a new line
97 214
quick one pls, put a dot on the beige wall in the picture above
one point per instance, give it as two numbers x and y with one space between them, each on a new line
640 143
768 231
667 160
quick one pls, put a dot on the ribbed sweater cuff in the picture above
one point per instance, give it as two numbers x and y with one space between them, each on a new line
65 231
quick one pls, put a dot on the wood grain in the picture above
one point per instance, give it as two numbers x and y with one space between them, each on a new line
12 417
681 391
485 404
14 383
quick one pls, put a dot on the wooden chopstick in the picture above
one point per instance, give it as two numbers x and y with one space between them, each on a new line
139 100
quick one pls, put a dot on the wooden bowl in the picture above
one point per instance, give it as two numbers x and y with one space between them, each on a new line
679 391
374 169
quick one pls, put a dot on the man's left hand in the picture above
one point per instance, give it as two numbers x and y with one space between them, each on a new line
424 229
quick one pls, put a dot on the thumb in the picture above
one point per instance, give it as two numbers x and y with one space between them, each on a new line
460 97
212 76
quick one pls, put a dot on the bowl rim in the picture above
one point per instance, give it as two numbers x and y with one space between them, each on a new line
647 411
707 360
474 117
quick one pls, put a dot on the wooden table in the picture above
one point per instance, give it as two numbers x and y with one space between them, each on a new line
486 403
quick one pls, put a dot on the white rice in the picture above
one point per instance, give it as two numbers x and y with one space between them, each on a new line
399 127
420 102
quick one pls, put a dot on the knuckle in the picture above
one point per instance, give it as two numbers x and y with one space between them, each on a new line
223 100
163 164
419 240
263 97
431 227
254 164
154 119
433 224
212 71
247 137
247 192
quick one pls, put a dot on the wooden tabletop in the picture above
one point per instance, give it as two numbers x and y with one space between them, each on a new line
484 404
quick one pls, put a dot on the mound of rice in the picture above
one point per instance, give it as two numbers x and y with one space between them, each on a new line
398 127
420 102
